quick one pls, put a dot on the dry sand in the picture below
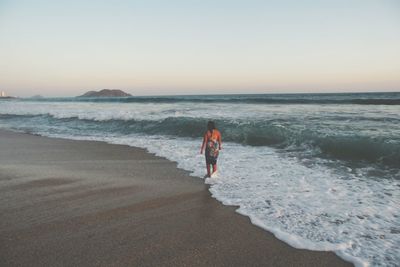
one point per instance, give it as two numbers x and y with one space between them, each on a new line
84 203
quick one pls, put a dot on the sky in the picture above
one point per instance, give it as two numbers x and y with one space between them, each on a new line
65 48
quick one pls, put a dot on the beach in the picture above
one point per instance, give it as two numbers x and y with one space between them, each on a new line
89 203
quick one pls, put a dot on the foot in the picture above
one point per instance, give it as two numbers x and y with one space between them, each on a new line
206 176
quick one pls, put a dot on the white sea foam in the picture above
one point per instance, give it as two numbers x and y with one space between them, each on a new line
312 206
307 208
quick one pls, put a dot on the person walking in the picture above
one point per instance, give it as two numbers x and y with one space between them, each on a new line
212 144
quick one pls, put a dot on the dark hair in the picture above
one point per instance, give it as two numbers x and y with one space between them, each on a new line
210 126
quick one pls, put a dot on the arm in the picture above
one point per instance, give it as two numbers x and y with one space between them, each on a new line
220 141
204 143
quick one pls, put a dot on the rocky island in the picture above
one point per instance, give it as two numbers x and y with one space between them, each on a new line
106 93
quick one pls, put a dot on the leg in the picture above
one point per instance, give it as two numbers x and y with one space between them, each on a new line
214 167
208 169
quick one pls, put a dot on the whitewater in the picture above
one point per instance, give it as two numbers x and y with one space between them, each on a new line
321 172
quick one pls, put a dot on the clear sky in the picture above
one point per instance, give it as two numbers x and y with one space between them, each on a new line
64 48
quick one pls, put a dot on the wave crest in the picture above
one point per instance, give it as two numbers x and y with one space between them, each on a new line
254 133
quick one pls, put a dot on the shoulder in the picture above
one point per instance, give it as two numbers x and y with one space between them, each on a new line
216 133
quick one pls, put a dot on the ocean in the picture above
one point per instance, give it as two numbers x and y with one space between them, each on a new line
319 171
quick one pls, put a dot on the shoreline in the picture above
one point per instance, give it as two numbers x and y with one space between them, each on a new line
69 202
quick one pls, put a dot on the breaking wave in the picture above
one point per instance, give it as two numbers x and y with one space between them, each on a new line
252 133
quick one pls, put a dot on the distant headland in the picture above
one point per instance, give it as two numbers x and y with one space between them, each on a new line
37 97
106 93
4 96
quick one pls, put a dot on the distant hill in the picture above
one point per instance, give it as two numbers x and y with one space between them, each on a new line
106 93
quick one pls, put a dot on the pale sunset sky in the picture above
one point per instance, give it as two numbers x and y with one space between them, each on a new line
65 48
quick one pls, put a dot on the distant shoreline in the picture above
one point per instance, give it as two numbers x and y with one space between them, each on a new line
390 98
231 94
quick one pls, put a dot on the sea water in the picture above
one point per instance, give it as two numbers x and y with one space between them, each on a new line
320 171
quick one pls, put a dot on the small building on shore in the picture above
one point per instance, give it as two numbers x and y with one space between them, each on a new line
2 94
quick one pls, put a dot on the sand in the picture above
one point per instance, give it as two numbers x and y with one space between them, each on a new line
87 203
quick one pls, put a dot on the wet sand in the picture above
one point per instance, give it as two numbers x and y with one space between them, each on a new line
87 203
